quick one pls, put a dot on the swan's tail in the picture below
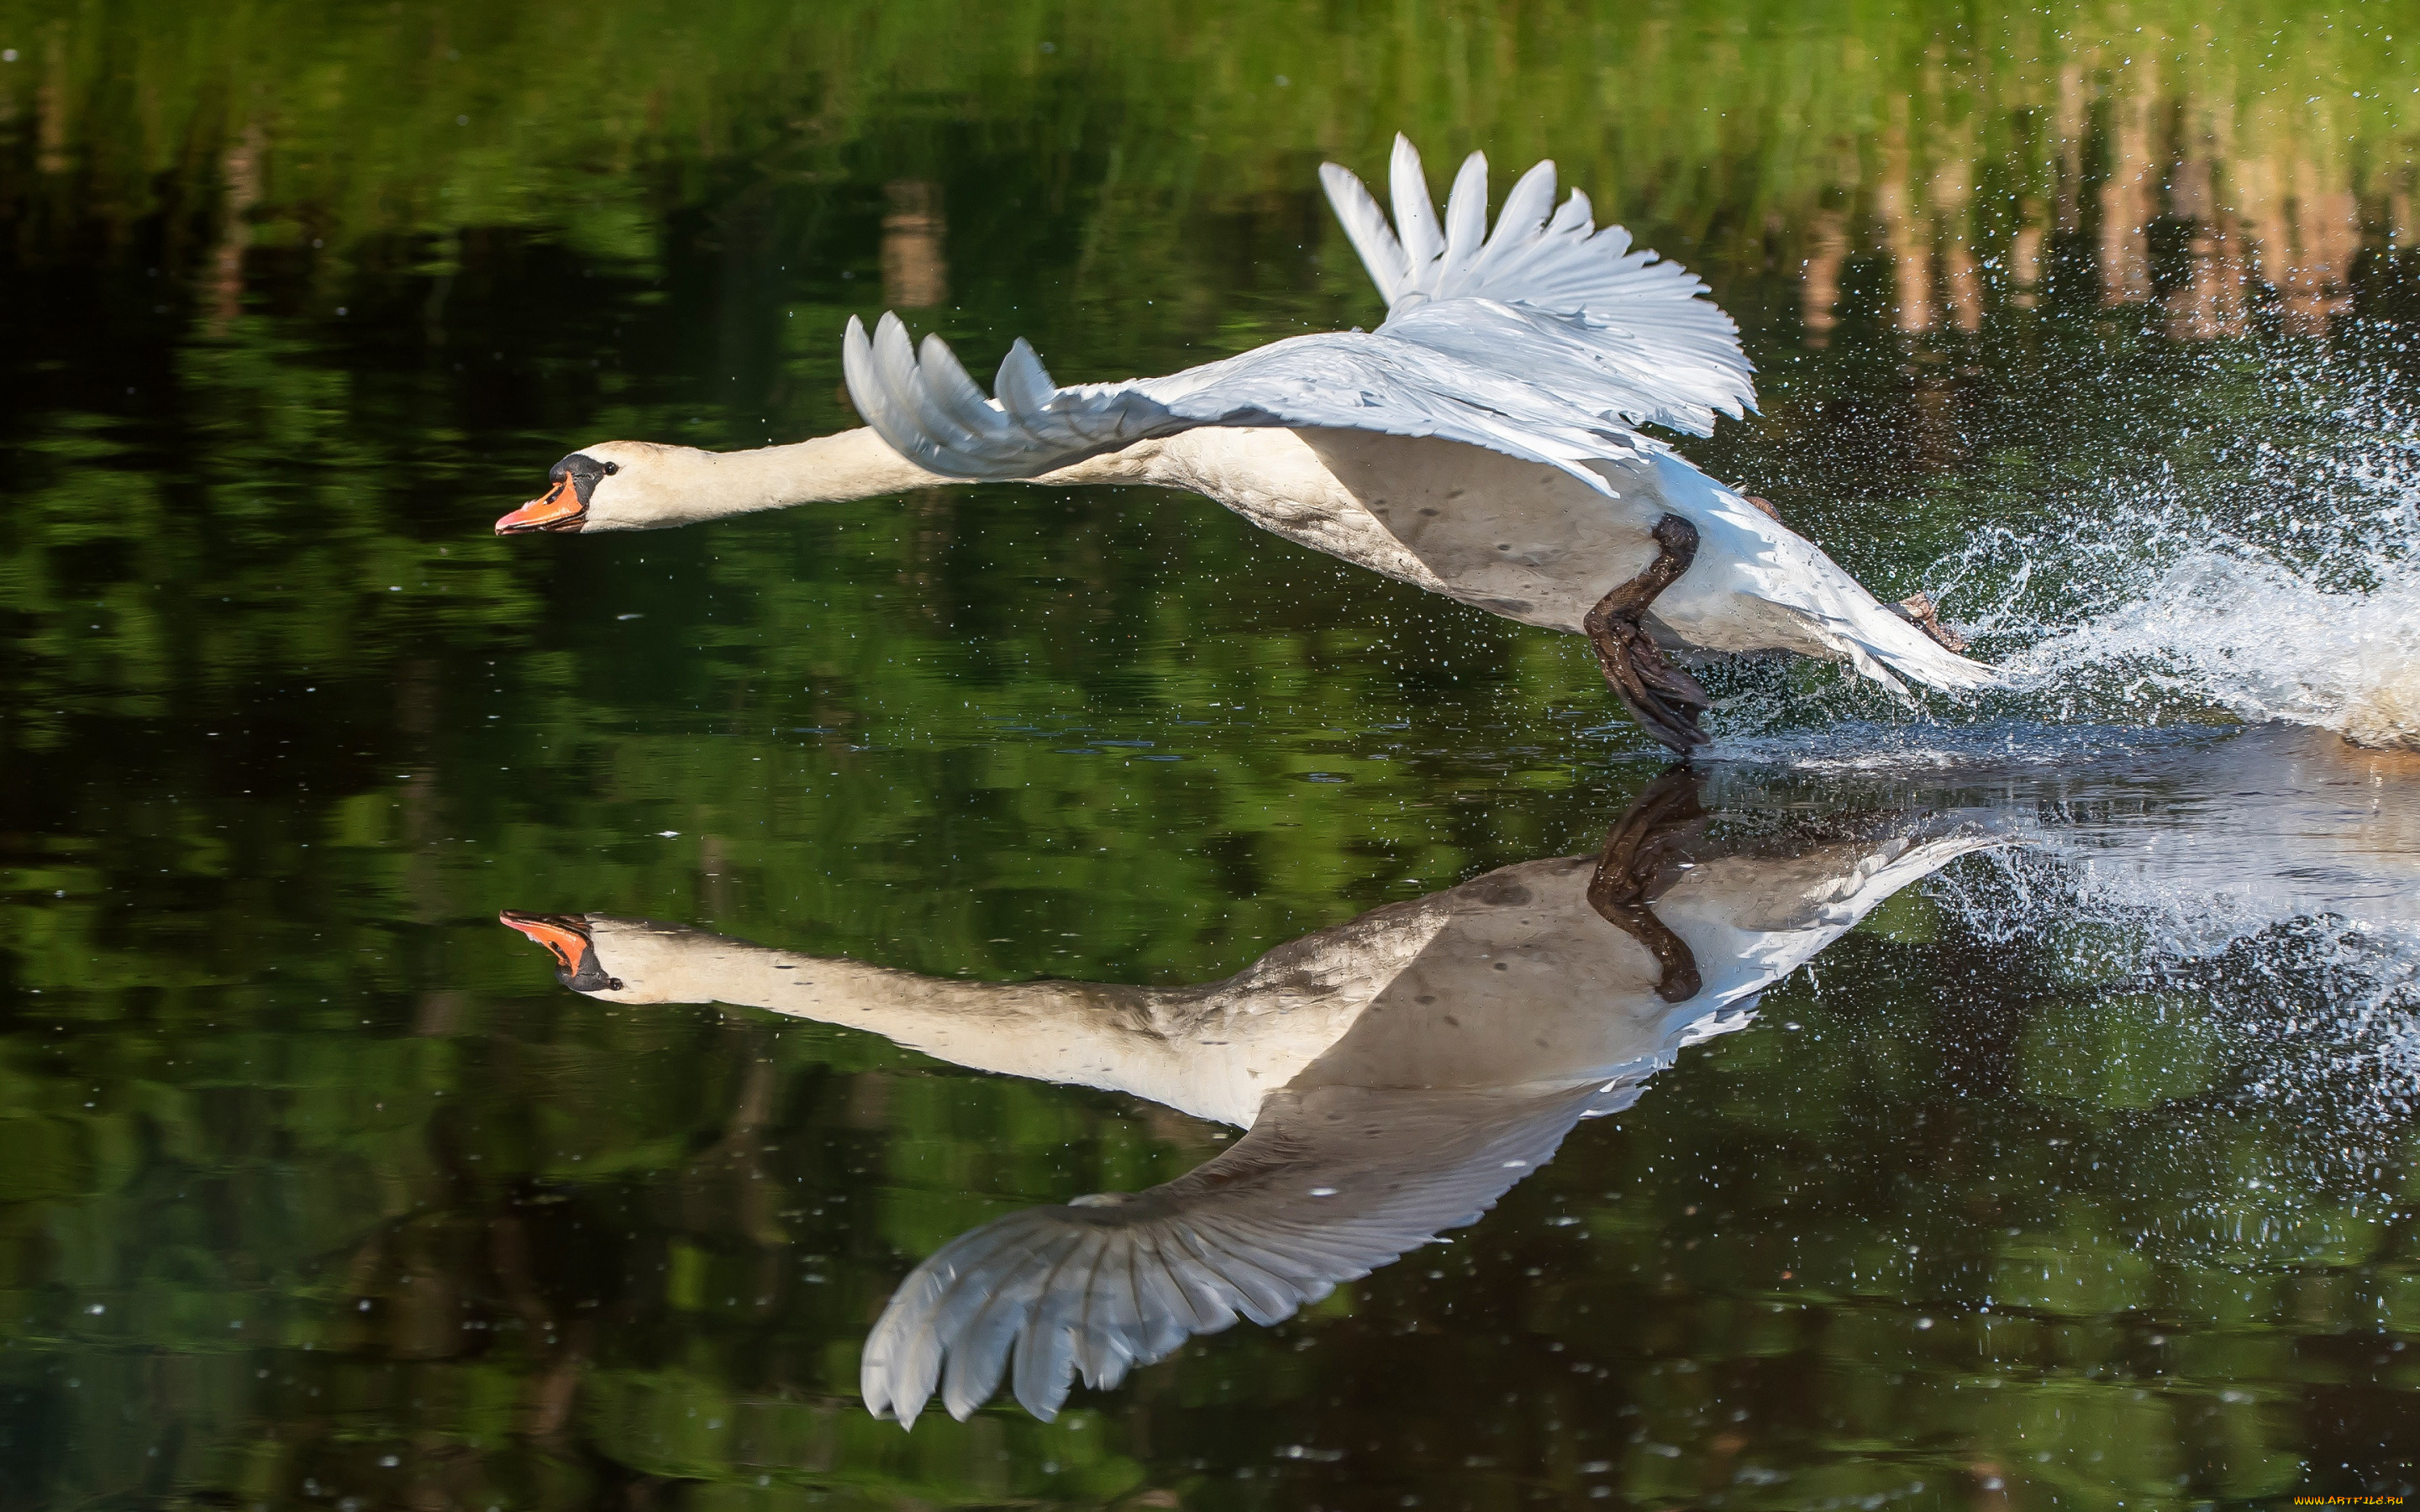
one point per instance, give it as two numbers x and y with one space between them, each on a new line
1880 643
1756 584
1883 642
1887 642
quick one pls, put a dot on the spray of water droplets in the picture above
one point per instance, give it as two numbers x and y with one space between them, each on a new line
2269 573
2277 578
2232 917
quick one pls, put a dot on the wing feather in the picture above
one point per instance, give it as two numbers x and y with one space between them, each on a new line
933 415
1169 1302
1644 315
1466 220
1544 339
1023 383
870 389
1415 216
1331 1183
1520 225
948 400
1366 227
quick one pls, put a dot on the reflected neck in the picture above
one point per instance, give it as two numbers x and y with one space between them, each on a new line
1192 1049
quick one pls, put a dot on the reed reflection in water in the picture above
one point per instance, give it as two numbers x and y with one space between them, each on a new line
2265 145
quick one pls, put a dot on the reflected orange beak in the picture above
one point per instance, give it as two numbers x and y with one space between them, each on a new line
562 509
565 938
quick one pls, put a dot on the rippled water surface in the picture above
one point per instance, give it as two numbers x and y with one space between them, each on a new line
2007 1104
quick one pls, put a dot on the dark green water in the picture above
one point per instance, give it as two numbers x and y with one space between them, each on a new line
2080 1173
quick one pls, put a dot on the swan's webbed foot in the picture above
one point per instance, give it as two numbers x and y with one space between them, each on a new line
1664 699
1916 608
1638 849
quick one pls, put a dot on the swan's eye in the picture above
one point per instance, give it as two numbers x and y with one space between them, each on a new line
612 467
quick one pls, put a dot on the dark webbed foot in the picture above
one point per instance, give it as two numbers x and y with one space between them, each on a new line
1664 699
1916 608
1639 849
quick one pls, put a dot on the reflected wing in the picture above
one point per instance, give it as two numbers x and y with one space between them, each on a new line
1331 1183
931 412
1545 284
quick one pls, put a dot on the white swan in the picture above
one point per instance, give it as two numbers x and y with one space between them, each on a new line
1398 1074
1480 443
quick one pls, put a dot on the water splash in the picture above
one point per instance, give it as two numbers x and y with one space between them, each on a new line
2257 889
2272 880
2257 560
2276 578
2309 1023
2231 625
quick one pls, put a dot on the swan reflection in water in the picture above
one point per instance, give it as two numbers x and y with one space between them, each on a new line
1397 1075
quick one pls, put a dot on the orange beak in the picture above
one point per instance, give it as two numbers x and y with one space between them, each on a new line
562 509
565 938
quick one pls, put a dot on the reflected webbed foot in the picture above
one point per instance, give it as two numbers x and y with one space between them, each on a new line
1643 845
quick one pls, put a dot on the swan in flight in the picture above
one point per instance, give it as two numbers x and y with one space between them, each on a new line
1397 1075
1482 442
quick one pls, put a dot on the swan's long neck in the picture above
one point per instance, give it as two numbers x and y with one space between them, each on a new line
1054 1030
687 486
682 485
1095 1035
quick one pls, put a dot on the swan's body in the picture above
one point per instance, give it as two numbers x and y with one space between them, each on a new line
1398 1074
1480 443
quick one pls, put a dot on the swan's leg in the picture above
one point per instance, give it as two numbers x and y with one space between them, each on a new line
1638 848
1664 699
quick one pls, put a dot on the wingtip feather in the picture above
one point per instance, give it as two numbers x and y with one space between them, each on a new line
1416 219
1672 356
1466 210
1365 226
1023 385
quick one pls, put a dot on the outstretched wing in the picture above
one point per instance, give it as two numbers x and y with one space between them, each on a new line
1331 1183
1545 340
1633 325
931 412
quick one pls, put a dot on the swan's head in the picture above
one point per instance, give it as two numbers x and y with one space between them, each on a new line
617 485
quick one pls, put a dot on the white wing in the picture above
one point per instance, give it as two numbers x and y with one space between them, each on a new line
1331 1183
1631 327
931 412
